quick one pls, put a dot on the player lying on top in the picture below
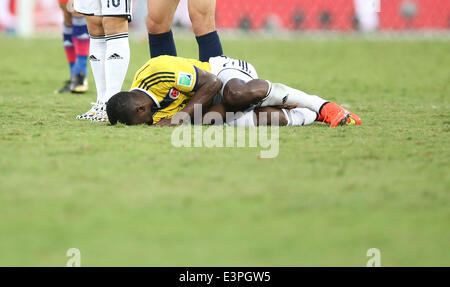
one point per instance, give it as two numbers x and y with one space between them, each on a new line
167 85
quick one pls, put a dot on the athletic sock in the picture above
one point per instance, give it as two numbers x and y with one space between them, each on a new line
97 53
162 44
80 38
299 116
68 46
209 46
116 65
280 94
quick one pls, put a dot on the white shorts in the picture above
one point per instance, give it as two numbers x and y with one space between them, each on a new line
226 68
103 7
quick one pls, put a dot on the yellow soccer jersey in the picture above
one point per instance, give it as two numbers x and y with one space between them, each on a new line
170 82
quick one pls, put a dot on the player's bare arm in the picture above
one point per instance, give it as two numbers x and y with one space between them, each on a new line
207 86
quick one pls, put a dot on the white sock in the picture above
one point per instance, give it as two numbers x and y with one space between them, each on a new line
243 119
97 50
299 116
280 94
116 65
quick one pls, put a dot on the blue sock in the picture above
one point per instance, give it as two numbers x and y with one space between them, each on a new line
80 65
80 37
209 46
162 44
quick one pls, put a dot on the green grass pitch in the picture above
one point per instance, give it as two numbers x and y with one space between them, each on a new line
125 196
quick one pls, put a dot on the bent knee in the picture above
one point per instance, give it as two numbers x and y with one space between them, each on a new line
233 93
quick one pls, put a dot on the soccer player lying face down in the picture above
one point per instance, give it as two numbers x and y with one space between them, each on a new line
140 106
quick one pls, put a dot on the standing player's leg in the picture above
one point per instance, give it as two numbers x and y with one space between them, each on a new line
68 43
92 9
80 38
202 15
107 23
97 51
117 53
159 25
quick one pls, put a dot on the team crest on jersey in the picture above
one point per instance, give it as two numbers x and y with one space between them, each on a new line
185 79
174 94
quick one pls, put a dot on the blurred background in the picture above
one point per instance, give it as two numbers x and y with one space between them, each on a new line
28 17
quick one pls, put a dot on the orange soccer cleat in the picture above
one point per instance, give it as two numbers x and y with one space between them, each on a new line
336 115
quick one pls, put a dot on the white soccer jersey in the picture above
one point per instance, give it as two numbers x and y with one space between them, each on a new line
103 7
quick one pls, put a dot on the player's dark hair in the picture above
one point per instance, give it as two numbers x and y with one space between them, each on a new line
121 107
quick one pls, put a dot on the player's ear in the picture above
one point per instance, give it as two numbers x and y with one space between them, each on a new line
140 110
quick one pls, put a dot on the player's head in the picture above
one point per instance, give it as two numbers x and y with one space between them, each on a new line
130 108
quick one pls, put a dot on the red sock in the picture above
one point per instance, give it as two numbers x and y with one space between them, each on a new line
68 46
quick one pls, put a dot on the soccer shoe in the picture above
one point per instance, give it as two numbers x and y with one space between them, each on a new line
65 88
79 83
353 119
100 115
90 114
336 115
